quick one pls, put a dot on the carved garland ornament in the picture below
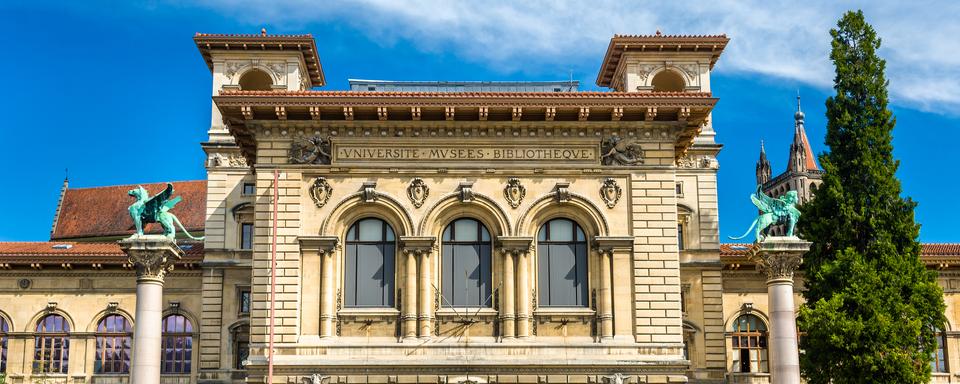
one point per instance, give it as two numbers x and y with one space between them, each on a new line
514 192
320 191
610 192
418 192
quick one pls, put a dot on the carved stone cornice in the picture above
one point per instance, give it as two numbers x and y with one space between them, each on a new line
418 245
319 244
515 244
153 256
613 243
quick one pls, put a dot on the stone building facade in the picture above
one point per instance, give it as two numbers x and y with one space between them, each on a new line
370 236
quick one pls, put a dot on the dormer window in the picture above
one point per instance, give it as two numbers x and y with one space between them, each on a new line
255 80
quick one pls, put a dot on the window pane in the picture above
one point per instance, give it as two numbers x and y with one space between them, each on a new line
560 230
246 236
371 230
465 230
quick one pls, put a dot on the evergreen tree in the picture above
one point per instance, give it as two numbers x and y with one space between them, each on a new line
872 306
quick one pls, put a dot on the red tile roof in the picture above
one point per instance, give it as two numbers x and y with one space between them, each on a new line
57 252
102 211
930 250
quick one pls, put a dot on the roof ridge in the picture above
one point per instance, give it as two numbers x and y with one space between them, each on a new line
122 185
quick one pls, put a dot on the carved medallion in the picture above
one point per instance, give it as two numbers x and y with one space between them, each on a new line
610 192
619 151
514 192
310 150
320 191
418 191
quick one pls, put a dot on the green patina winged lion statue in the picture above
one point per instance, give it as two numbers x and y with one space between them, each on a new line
782 210
156 209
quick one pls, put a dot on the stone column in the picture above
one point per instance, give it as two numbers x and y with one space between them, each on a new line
523 294
326 247
778 258
507 309
152 256
426 293
410 294
605 294
418 307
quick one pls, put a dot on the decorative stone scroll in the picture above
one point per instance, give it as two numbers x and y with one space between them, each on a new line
466 191
418 192
610 192
514 192
226 160
320 191
698 162
779 266
615 150
310 150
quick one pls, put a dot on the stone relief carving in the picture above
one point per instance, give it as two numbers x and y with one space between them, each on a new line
320 191
514 192
698 161
315 378
279 69
644 71
466 191
617 378
418 192
619 151
689 69
610 192
233 67
369 191
310 150
231 160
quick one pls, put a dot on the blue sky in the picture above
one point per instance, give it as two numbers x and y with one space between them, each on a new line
117 93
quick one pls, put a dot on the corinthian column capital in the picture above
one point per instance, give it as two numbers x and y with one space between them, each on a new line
152 256
779 257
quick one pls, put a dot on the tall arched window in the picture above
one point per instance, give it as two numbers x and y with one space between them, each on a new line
241 346
177 345
51 352
371 255
113 345
939 362
4 330
466 257
749 345
562 259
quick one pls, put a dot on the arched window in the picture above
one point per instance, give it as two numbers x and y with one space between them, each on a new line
939 362
4 330
371 255
51 351
749 345
255 79
562 258
668 81
177 345
113 345
241 346
466 254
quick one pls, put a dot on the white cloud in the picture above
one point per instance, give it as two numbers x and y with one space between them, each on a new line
784 39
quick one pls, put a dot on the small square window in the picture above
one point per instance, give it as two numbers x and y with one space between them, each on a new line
371 88
244 301
249 189
246 236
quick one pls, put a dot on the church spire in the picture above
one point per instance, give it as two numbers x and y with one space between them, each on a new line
763 167
801 155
